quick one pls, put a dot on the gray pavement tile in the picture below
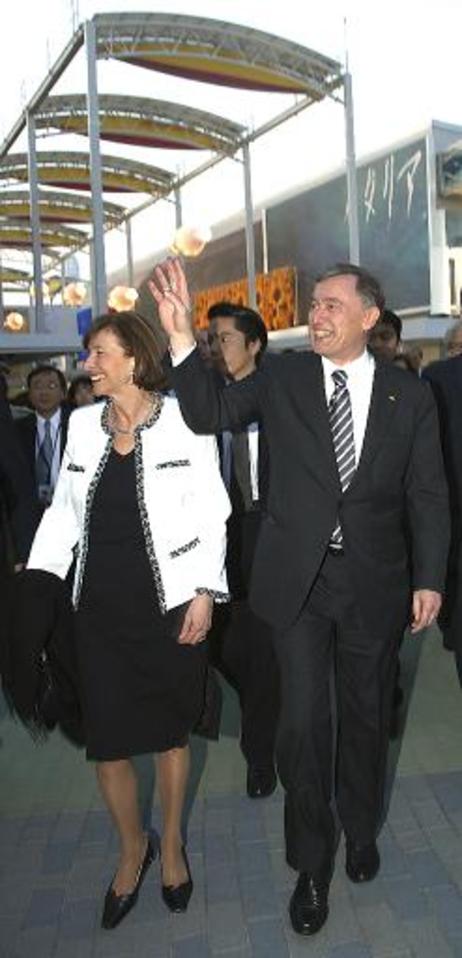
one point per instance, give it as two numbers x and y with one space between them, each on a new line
448 789
392 858
14 898
259 898
219 847
44 907
218 820
380 929
97 827
446 844
429 813
412 840
221 883
58 858
367 894
226 925
193 924
196 946
11 830
456 946
36 943
68 827
446 903
267 938
253 859
342 925
250 829
351 949
405 897
78 918
428 869
10 927
425 939
38 828
74 947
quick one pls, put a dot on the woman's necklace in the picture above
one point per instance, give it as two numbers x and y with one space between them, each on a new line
130 431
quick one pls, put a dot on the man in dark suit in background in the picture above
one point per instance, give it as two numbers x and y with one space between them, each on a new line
43 433
18 514
240 642
353 543
445 378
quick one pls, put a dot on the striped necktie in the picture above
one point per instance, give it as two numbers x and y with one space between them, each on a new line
341 424
44 459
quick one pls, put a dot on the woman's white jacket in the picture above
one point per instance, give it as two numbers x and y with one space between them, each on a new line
182 502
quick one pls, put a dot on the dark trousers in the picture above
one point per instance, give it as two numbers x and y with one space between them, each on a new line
240 647
450 618
328 638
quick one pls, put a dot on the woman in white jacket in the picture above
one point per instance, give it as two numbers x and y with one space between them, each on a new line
141 504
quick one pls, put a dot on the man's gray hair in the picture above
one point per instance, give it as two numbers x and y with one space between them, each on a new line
450 335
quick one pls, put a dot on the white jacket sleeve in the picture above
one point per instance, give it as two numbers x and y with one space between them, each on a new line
213 508
58 532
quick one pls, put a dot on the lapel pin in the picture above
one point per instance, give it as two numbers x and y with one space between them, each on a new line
392 397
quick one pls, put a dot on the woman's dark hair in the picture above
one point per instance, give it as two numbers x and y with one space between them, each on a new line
138 339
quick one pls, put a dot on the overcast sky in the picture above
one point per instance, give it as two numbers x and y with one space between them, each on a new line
404 56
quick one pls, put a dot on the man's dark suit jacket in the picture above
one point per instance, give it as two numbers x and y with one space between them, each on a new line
399 484
445 378
243 527
18 513
27 432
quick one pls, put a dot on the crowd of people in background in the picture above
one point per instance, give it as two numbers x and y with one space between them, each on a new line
311 474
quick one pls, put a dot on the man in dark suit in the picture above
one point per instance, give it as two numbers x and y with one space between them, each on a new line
18 517
445 378
43 433
354 542
240 642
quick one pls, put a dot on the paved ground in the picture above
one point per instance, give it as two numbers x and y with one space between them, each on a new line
57 851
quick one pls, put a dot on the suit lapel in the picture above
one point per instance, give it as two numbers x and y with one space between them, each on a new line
384 404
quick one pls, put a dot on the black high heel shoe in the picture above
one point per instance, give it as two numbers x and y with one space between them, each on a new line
176 897
117 906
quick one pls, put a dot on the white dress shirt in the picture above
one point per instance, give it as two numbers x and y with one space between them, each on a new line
360 379
55 432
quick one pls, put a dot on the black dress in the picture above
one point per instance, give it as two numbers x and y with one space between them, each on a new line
141 690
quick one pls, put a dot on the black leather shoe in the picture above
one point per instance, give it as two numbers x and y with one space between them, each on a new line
117 906
261 781
308 907
362 861
176 897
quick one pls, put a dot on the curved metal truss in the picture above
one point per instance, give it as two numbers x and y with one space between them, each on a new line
72 169
56 207
17 277
216 52
14 234
141 121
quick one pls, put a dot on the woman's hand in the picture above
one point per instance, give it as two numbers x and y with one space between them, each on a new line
197 620
169 289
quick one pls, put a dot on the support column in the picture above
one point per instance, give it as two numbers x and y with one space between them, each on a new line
37 278
98 293
249 237
129 239
178 208
352 186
